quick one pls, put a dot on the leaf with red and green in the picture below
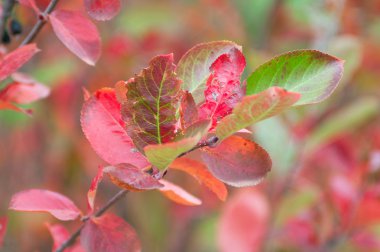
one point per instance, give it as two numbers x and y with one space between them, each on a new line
199 171
9 106
188 110
237 161
313 74
161 155
109 233
12 61
223 87
178 194
3 229
77 33
152 102
36 200
129 177
102 10
255 108
61 235
194 66
105 130
91 194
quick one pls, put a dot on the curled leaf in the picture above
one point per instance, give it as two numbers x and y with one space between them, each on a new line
178 195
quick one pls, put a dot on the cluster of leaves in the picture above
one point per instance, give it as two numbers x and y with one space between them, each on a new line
146 126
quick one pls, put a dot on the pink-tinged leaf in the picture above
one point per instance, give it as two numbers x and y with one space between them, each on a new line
199 171
255 108
12 61
61 235
129 177
178 195
161 155
9 106
3 229
102 9
36 200
152 103
223 88
31 4
24 90
188 110
243 223
109 233
238 161
105 130
91 194
77 33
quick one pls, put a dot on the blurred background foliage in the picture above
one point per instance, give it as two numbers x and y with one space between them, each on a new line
311 147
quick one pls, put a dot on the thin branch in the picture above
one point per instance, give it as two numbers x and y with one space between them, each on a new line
7 11
42 18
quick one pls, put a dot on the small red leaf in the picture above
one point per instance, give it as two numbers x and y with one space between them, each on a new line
9 106
199 171
77 33
102 9
243 223
129 177
223 89
188 110
16 59
103 127
178 195
238 161
91 194
36 200
109 233
60 235
3 229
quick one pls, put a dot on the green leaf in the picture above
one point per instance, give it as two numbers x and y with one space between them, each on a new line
194 66
255 108
162 155
311 73
152 102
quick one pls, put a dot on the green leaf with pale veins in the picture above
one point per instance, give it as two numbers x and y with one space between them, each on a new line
194 66
162 155
255 108
152 102
311 73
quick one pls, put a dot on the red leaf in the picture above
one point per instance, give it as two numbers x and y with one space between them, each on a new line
109 233
24 90
77 33
31 4
199 171
3 229
223 88
9 106
102 125
243 222
238 161
188 110
178 195
102 9
60 235
16 59
129 177
91 194
36 200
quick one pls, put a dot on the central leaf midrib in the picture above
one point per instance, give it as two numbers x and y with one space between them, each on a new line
158 107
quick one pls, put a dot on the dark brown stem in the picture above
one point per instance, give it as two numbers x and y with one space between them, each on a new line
7 11
42 18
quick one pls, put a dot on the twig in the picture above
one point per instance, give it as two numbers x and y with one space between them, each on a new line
42 18
7 11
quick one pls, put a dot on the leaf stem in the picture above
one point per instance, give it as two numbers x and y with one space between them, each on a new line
42 18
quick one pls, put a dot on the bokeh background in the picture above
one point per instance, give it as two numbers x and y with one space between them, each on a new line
323 191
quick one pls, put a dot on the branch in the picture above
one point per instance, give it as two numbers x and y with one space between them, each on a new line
42 18
7 11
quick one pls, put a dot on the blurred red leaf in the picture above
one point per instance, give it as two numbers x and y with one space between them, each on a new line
188 110
36 200
105 130
77 33
60 235
243 222
199 171
91 194
102 9
223 89
129 177
178 195
237 161
31 4
3 229
109 233
16 59
9 106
